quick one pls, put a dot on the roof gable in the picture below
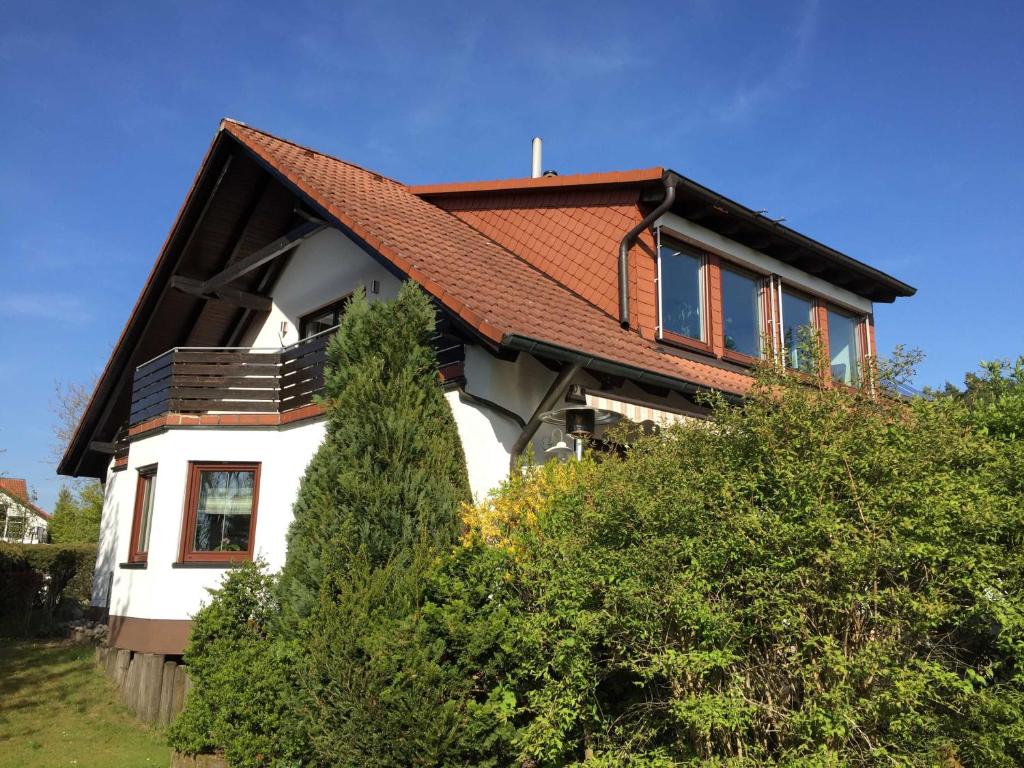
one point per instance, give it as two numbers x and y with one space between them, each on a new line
16 490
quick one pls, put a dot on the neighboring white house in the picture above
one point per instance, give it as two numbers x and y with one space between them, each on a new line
21 521
603 295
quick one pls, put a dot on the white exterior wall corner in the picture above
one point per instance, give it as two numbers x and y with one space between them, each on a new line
161 591
106 546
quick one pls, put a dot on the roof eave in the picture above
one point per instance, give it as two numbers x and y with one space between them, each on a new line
521 343
896 287
71 462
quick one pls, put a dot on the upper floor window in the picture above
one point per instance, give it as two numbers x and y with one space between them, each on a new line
322 319
220 511
142 519
742 312
682 293
797 326
843 347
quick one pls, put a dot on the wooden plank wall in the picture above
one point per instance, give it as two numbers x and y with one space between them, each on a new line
152 686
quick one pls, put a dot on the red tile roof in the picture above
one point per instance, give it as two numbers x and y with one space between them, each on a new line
497 292
571 236
17 489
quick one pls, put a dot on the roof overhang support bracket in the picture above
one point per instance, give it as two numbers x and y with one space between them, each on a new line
269 252
670 182
552 396
246 299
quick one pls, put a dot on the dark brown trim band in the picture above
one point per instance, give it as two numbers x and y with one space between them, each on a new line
166 636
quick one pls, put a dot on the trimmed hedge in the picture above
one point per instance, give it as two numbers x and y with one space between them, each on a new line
35 579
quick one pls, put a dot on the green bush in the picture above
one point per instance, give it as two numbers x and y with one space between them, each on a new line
390 471
333 664
76 515
36 578
819 579
378 505
241 674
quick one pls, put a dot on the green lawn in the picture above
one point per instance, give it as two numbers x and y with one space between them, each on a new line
57 709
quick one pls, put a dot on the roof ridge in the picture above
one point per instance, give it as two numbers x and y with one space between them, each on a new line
631 177
306 148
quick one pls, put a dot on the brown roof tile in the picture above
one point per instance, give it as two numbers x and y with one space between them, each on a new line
496 291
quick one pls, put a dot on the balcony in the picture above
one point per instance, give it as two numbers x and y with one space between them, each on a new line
198 380
229 380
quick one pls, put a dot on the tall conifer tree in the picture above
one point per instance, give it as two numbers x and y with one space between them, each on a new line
390 472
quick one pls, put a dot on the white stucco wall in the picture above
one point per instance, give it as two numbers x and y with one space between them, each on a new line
488 436
160 591
322 270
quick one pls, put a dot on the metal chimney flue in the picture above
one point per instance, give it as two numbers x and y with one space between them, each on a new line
537 162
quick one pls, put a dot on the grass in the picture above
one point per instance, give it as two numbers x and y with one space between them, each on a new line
57 709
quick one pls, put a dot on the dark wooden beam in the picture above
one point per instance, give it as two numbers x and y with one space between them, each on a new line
101 447
270 251
811 266
759 240
653 389
725 226
234 243
194 287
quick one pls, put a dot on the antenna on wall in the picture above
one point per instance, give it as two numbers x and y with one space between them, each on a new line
538 165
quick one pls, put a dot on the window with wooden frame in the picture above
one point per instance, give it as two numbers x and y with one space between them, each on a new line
844 350
682 301
798 327
323 319
142 518
743 313
220 511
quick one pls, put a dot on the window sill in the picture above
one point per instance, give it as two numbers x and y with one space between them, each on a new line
133 566
741 359
682 342
210 563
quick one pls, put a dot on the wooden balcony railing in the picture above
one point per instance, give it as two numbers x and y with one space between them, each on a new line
219 380
243 380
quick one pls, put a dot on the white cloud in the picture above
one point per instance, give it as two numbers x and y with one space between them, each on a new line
779 80
58 307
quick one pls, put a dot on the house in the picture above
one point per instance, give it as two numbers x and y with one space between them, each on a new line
615 293
21 521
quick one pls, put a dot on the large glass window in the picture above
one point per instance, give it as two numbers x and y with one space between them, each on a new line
682 293
142 522
741 312
797 330
842 347
221 511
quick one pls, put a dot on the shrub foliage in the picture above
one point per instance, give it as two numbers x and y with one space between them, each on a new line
366 531
76 515
819 578
36 578
390 472
240 668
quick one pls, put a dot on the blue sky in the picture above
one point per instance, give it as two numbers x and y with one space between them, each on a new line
891 131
